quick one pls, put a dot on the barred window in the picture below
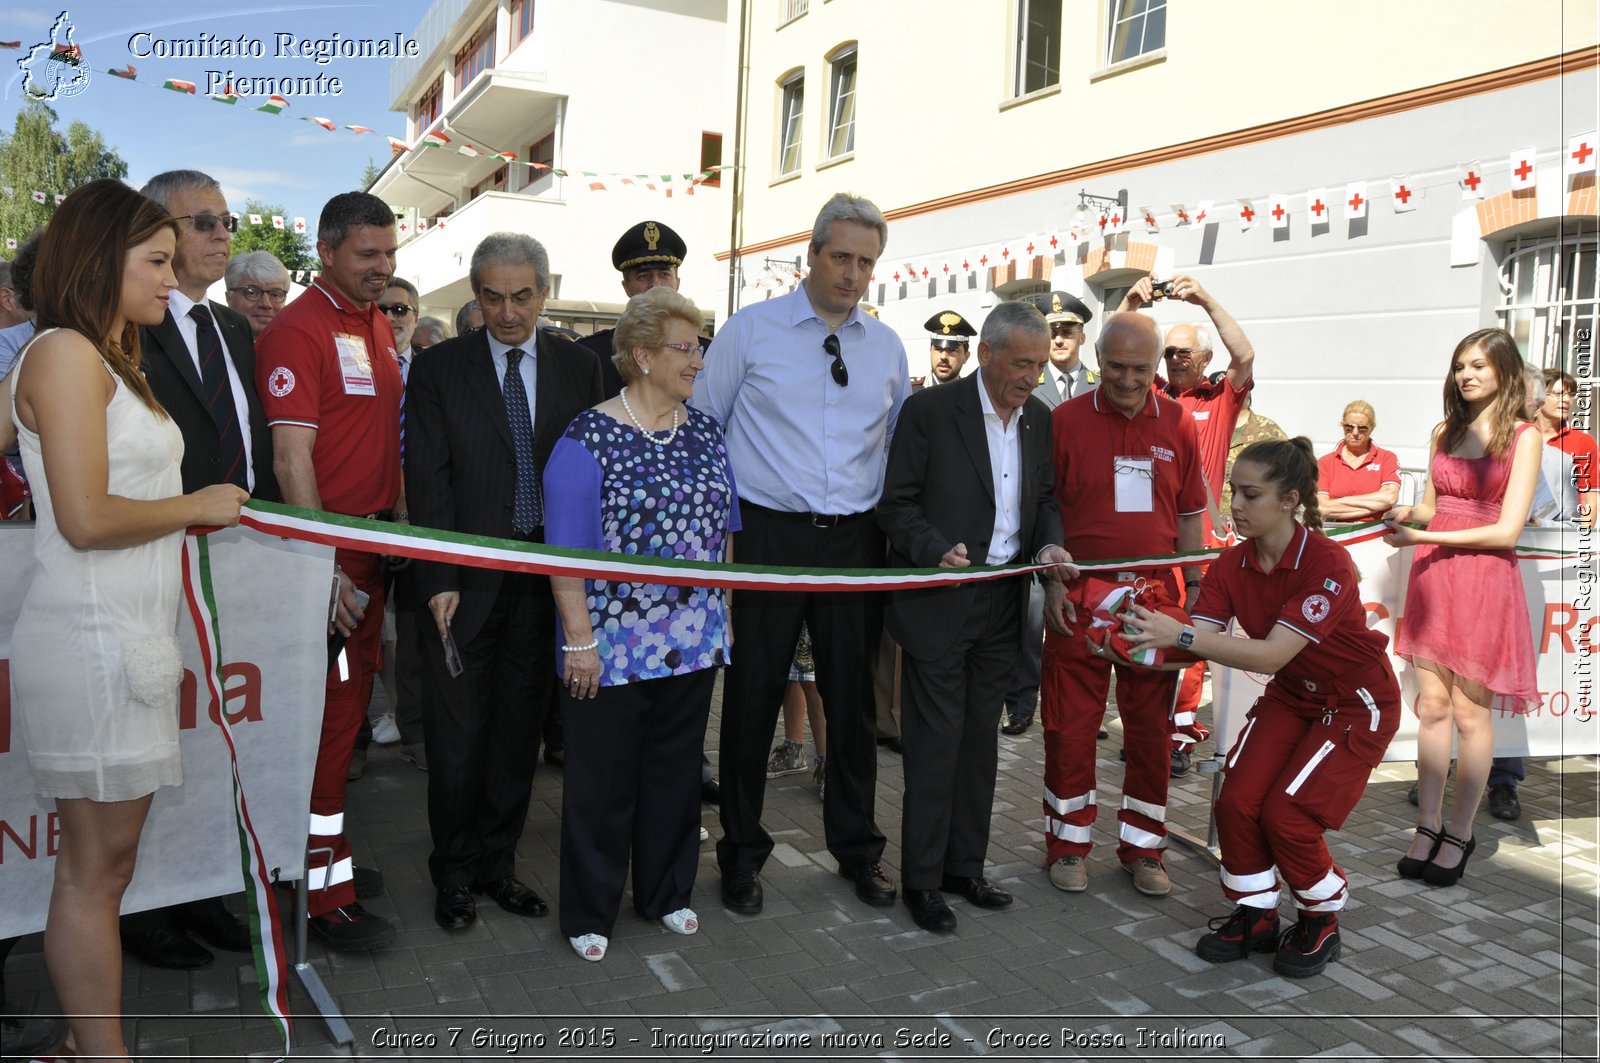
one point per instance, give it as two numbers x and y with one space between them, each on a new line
1548 288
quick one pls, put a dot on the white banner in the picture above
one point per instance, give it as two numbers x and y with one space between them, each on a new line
1561 609
272 601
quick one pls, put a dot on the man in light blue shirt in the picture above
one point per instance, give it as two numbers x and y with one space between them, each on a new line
807 388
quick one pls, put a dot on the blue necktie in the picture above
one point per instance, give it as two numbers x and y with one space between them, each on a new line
219 397
528 510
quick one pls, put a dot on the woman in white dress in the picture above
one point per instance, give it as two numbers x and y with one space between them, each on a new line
95 664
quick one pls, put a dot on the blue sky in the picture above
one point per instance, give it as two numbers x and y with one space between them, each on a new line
277 159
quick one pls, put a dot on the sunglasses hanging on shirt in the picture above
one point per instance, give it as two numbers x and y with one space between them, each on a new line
841 374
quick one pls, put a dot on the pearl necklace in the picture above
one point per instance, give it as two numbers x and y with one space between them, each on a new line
660 440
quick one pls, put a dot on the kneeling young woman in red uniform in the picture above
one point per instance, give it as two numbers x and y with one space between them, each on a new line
1303 757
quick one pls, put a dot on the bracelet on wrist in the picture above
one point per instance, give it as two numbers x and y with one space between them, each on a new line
401 514
595 644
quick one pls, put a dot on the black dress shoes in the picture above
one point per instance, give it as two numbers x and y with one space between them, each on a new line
1016 722
979 891
159 943
513 896
929 910
872 883
711 792
454 908
741 892
211 921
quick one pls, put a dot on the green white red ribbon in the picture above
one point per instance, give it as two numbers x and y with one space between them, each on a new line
511 555
266 923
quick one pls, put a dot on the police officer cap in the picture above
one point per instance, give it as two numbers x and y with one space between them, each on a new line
949 330
1059 306
649 244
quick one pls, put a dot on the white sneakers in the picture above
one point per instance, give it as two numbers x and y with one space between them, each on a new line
385 731
591 947
682 921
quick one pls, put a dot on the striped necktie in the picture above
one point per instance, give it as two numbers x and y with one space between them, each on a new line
527 511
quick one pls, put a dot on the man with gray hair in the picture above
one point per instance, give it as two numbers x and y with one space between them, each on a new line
331 388
257 286
970 482
807 388
469 318
483 412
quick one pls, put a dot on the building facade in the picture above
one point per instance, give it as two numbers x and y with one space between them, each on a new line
568 120
976 125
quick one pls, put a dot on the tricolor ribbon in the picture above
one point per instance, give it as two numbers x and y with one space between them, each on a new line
266 924
511 555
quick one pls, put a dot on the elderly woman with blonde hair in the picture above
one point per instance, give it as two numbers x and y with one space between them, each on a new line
639 474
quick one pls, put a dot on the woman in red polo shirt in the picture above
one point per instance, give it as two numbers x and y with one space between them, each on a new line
1302 759
1359 480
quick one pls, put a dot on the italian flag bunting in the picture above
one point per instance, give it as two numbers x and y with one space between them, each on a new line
178 86
274 105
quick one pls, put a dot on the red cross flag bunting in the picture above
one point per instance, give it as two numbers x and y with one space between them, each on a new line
277 221
1180 212
1404 196
299 225
1469 175
1247 216
1580 155
1317 206
1522 169
1150 223
256 219
1278 210
1118 222
1355 200
1202 212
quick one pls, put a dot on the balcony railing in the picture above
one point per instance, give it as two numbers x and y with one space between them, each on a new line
789 10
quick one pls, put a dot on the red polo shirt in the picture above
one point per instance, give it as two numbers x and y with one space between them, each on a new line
1214 408
1312 591
325 364
1092 438
1585 453
1339 480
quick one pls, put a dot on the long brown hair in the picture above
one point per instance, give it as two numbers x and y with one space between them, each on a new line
1289 465
77 282
1510 405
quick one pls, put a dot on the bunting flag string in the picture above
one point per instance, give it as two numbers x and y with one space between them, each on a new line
1314 209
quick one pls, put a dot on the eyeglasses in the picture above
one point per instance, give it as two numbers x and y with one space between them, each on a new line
488 298
841 375
396 308
252 293
204 223
1357 429
684 348
1172 352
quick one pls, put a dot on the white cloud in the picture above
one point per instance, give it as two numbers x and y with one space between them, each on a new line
241 175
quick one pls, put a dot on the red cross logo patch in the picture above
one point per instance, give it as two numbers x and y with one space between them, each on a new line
280 382
1315 608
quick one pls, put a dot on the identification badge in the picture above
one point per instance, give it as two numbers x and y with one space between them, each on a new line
1134 479
355 365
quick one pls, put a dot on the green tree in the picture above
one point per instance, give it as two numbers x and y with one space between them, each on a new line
35 157
292 248
369 175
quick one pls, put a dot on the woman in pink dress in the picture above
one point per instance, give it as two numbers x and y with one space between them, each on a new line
1483 469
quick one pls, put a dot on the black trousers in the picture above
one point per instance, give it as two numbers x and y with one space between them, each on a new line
845 629
483 735
630 786
414 637
948 719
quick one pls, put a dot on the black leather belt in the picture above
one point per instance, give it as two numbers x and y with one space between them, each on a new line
816 520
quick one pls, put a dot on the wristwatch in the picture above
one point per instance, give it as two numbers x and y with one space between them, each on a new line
1186 638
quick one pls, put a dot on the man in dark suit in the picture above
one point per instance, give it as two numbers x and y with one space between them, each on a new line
201 361
1065 377
483 412
969 483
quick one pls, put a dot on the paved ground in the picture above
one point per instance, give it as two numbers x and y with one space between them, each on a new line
1502 966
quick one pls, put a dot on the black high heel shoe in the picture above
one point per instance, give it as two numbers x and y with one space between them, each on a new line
1411 866
1434 875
